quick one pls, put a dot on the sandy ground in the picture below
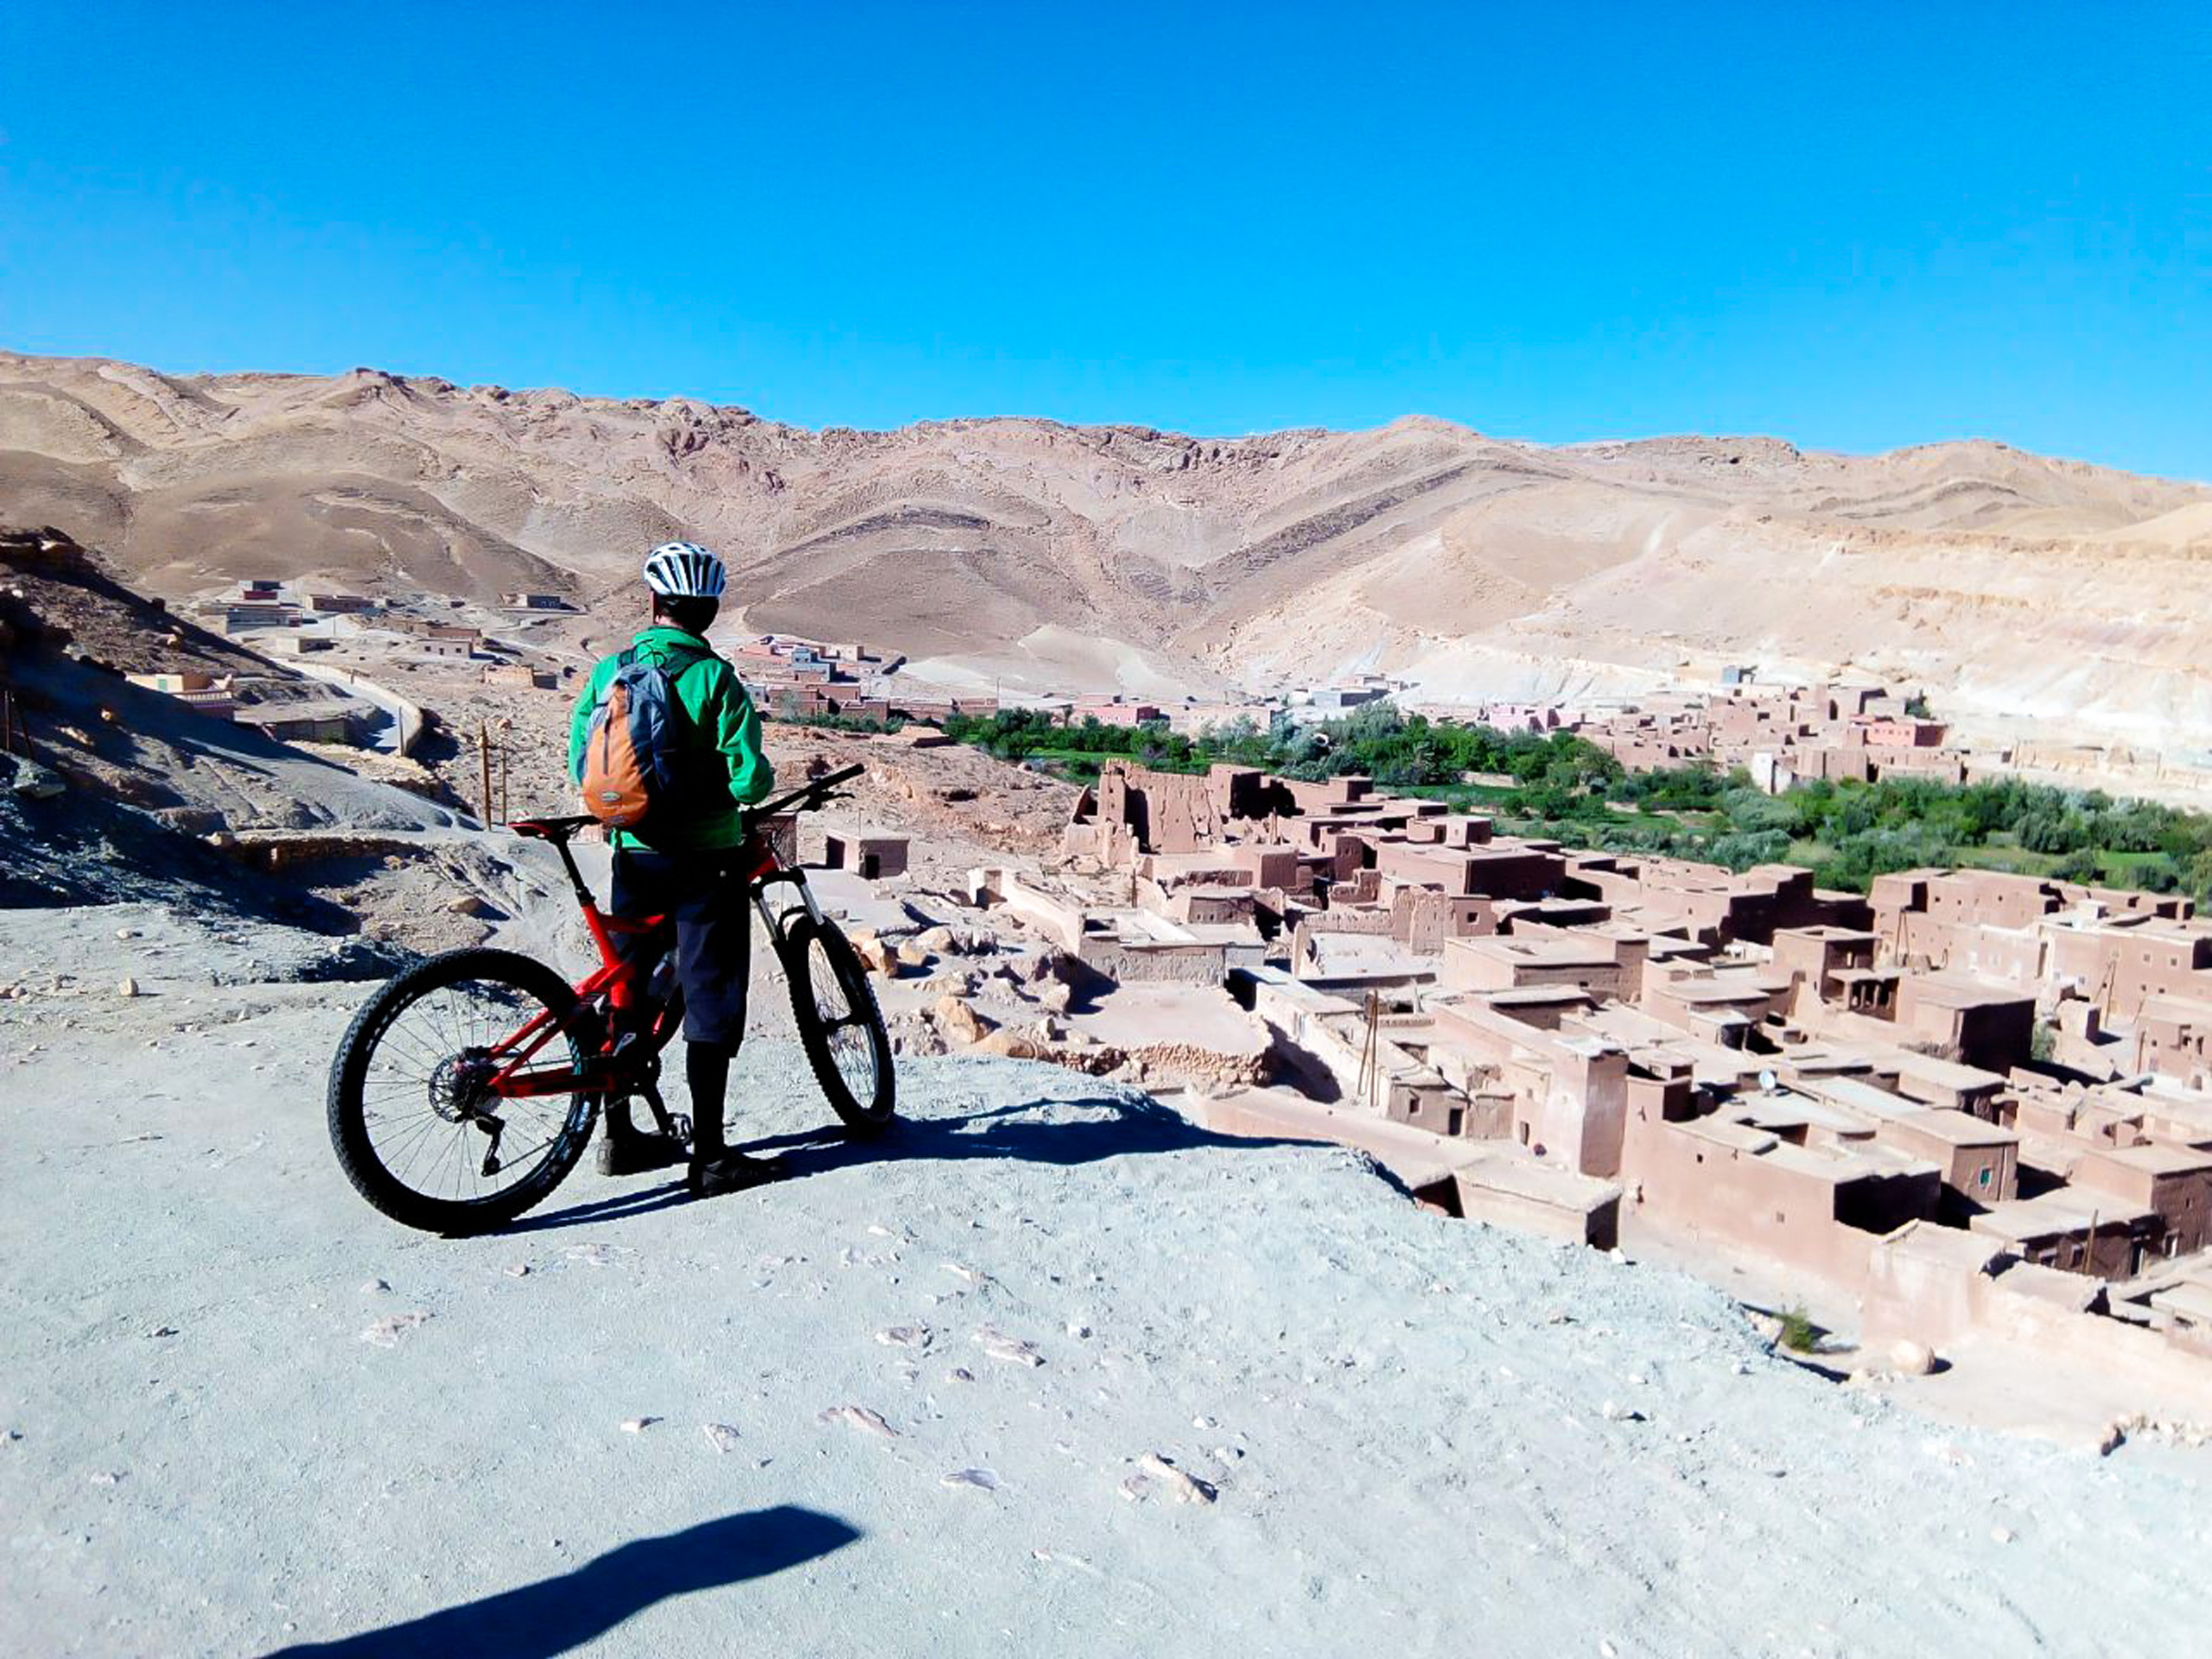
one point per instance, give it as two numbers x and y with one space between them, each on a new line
243 1411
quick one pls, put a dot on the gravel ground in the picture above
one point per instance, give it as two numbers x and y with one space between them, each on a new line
940 1393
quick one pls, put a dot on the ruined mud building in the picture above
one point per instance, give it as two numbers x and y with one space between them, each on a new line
1780 734
1813 1079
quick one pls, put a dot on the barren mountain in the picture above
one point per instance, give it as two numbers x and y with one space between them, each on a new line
1063 557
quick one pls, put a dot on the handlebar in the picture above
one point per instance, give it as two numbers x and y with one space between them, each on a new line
559 830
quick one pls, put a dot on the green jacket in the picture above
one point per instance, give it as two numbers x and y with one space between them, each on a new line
722 734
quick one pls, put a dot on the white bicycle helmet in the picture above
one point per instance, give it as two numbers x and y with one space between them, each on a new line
684 570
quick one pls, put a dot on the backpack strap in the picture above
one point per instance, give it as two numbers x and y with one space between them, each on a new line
681 660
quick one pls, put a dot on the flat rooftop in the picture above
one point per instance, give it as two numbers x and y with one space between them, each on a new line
1855 1093
1951 990
2155 1159
1539 953
1957 1129
2061 1210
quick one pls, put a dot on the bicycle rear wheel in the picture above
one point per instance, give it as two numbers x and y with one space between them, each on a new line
840 1025
414 1128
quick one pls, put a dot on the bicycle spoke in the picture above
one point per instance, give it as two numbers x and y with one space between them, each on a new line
425 1089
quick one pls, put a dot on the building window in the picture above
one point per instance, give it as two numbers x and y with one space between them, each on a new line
1981 1177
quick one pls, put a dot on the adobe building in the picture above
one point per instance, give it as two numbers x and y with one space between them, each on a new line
1978 1163
1965 1020
1817 1208
1795 1074
872 857
2173 1183
2075 1232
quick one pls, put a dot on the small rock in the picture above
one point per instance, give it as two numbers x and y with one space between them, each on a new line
961 1374
1614 1412
959 1021
1910 1359
518 1270
858 1417
999 1345
468 904
386 1333
982 1479
2002 1534
107 1477
639 1424
127 987
905 1336
163 1330
720 1436
374 1286
1078 1330
1187 1488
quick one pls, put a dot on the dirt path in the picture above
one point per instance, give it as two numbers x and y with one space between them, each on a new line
904 1403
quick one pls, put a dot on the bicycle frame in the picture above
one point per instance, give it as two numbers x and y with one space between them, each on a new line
618 978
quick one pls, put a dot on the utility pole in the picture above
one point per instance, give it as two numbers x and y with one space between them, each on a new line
484 766
1371 1059
14 725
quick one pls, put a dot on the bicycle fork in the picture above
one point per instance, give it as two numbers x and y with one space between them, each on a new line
779 921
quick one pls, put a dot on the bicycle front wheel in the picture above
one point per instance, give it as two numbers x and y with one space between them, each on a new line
414 1128
840 1025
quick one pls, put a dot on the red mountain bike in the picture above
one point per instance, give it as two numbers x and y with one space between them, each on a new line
465 1089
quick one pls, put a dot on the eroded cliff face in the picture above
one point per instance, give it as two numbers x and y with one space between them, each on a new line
1064 557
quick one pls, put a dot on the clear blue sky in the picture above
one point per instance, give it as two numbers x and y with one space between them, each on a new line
1855 225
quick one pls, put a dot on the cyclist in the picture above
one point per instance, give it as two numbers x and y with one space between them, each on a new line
687 870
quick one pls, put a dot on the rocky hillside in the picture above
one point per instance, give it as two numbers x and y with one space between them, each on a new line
1055 556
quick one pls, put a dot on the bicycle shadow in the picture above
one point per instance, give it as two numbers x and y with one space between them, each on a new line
1115 1126
555 1615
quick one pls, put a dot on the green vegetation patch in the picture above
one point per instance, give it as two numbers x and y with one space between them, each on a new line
1566 789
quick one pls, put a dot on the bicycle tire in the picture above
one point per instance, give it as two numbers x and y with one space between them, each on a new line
349 1070
801 945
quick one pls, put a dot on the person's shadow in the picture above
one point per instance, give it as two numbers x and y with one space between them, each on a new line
554 1615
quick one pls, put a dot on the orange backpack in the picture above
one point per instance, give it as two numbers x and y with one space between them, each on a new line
630 766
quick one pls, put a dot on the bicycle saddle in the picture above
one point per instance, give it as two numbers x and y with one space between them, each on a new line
556 830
